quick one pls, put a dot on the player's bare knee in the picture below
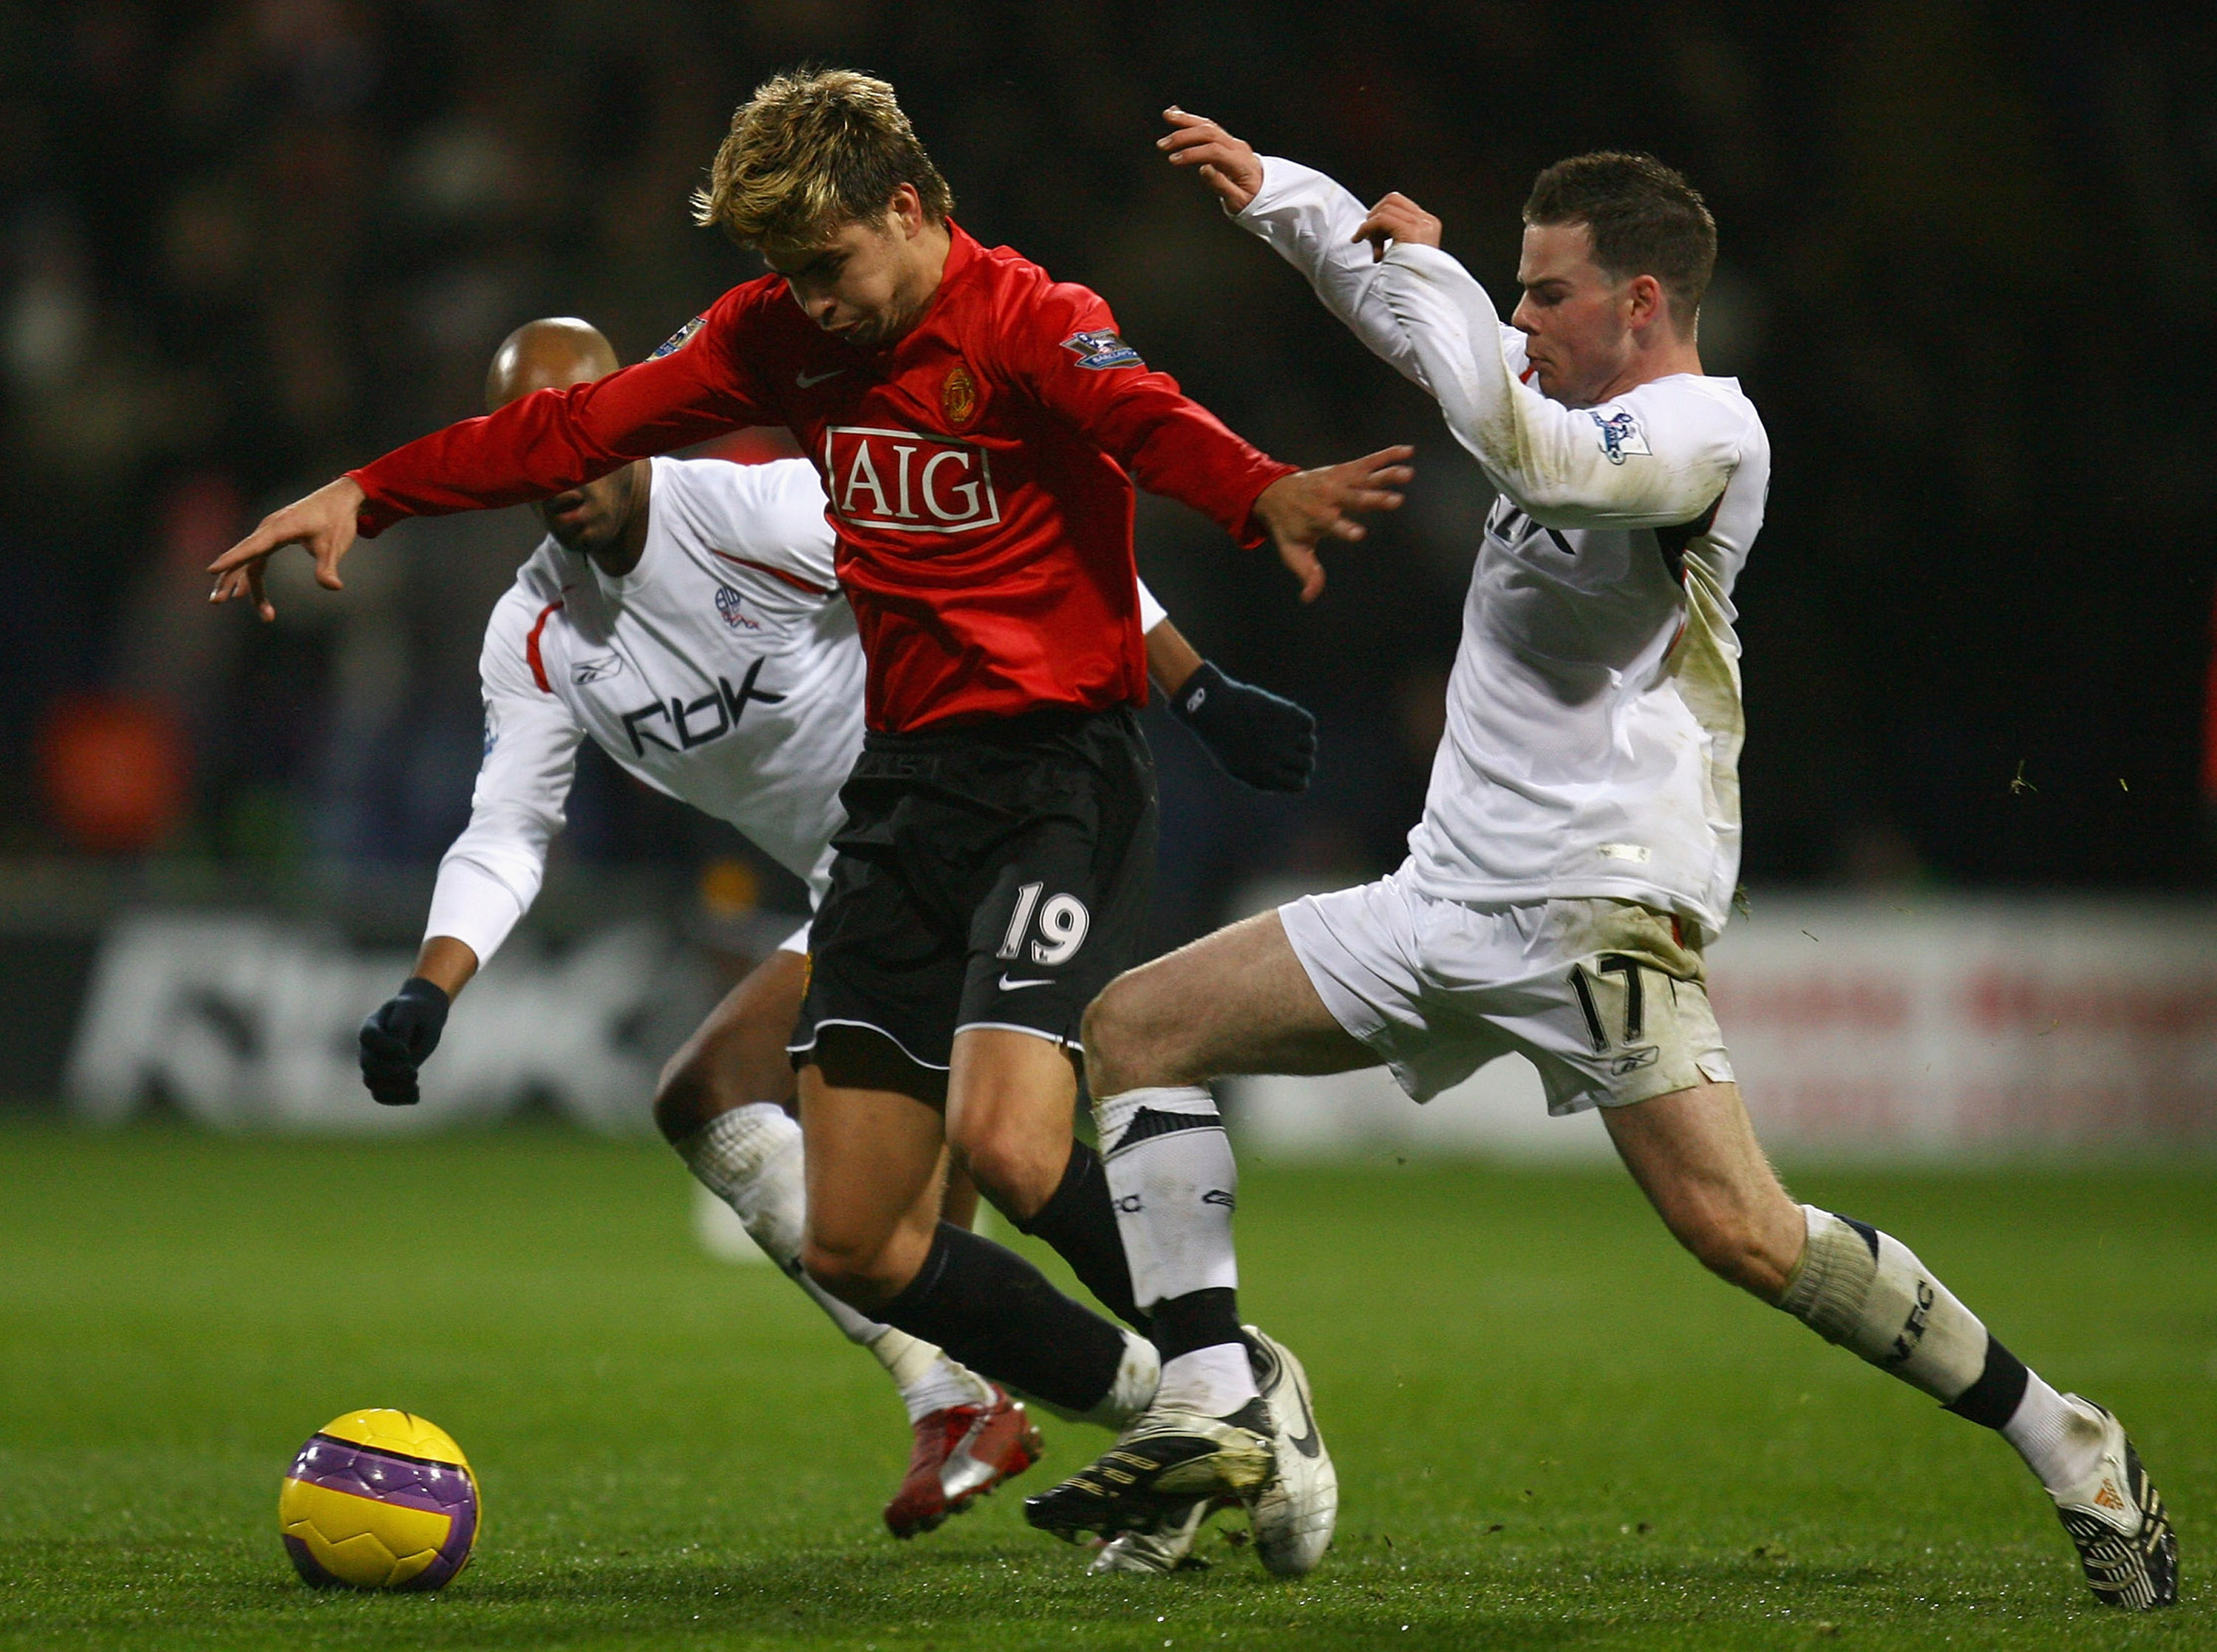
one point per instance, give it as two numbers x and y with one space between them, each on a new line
1017 1172
1734 1246
1127 1044
860 1274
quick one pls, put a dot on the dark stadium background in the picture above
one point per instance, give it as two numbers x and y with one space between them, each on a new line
1965 277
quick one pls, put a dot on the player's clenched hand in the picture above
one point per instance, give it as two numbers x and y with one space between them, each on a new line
1397 218
400 1037
1228 166
1303 510
324 522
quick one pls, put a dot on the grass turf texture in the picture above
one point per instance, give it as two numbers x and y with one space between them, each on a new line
1553 1430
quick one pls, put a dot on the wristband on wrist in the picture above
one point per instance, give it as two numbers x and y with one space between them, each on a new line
1193 694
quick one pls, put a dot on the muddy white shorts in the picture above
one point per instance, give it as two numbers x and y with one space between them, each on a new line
1603 996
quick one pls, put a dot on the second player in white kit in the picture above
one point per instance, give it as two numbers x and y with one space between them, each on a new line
1581 837
685 617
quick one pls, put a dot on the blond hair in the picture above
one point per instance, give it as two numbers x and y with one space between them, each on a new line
813 150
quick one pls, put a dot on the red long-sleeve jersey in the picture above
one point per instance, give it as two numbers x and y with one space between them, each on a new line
977 470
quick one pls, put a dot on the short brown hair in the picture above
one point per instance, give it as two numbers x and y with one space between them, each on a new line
1645 217
814 148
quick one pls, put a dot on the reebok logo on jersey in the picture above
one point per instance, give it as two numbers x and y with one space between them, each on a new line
1621 435
1102 347
728 604
908 483
689 720
596 670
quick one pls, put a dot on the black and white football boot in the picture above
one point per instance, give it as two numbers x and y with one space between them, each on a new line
1165 1461
2116 1517
1293 1516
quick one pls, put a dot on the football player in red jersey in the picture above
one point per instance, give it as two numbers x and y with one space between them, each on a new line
978 428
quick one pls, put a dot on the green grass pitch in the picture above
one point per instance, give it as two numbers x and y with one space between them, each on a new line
1553 1430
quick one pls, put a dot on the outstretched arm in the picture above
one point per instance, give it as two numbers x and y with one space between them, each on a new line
1649 460
1380 271
532 448
490 876
1307 218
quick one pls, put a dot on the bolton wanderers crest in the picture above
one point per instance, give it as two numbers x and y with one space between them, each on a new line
728 604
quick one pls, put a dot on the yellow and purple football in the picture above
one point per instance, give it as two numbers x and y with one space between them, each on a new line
378 1500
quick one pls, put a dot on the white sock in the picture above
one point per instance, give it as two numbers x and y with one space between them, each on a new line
1173 1178
1215 1381
2059 1441
928 1381
1176 1184
750 1158
1867 1291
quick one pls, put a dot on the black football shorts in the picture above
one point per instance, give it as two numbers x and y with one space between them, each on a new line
993 875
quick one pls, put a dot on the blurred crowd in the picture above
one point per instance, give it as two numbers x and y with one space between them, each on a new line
245 245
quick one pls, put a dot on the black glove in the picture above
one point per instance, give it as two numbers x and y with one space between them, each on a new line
400 1037
1255 737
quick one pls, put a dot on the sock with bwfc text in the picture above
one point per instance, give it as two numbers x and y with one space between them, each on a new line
1174 1185
750 1158
1867 1291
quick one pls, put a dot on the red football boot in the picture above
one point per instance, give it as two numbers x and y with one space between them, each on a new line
962 1452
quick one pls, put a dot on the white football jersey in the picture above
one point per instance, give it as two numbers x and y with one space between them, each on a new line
1593 719
724 670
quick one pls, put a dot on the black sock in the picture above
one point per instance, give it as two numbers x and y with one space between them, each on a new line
1992 1400
1199 1319
996 1313
1080 1223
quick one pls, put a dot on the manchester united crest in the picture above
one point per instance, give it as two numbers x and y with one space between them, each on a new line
958 397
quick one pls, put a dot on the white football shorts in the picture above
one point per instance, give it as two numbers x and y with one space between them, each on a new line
1602 996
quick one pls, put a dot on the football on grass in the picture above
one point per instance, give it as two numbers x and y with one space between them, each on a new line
378 1500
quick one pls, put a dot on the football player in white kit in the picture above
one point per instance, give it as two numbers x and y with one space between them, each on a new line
1581 837
685 616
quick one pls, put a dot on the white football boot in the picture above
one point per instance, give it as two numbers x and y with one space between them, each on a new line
1294 1514
2116 1518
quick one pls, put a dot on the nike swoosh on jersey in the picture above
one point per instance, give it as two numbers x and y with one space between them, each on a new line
1008 985
804 380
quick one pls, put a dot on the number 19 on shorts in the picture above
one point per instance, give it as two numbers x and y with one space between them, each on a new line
1057 924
